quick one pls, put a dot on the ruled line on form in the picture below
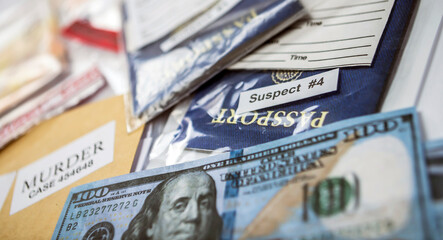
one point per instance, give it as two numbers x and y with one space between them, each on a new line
349 15
330 50
329 41
344 23
349 6
328 59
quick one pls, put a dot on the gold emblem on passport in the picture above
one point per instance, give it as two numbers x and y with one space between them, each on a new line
285 76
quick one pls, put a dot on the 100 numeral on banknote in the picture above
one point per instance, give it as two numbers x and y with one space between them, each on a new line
357 179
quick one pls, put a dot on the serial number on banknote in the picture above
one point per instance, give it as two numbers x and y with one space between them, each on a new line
104 209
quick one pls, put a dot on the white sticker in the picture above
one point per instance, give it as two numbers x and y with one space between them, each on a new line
63 167
288 92
208 17
5 184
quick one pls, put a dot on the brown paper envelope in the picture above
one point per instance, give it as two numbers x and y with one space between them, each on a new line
38 220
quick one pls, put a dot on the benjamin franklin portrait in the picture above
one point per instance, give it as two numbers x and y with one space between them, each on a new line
181 207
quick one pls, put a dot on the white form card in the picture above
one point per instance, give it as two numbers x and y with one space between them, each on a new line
339 33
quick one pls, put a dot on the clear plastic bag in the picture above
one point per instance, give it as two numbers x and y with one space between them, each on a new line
159 80
31 53
93 22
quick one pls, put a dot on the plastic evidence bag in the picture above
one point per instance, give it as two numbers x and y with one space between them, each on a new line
161 79
211 124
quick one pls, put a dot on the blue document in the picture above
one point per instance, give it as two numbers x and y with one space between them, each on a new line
212 121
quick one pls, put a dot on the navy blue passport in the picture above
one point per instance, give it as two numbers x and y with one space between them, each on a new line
212 123
160 79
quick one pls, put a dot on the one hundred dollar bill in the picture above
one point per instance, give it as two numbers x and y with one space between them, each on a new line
364 178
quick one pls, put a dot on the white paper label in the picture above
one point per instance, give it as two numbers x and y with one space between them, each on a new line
6 181
150 20
208 17
340 33
288 92
63 167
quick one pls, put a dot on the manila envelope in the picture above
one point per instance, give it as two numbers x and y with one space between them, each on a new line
38 220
